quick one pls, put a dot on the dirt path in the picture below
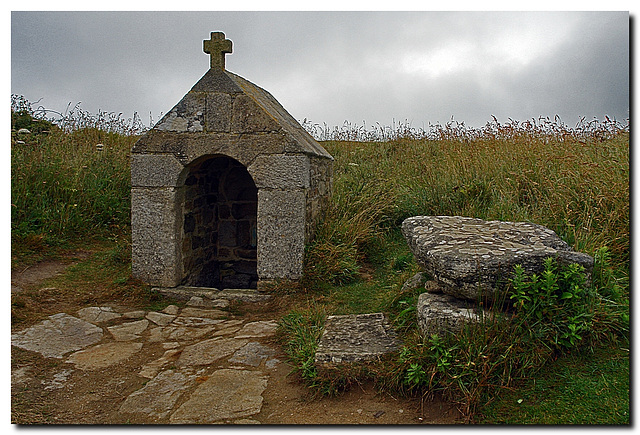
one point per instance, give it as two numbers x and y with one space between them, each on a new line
182 365
37 273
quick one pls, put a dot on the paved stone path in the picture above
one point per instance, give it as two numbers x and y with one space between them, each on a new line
214 368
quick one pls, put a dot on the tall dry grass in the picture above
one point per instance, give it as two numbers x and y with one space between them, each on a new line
70 178
572 180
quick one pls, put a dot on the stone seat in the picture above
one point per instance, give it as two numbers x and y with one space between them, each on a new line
472 259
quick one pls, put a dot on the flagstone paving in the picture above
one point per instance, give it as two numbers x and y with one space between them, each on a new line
194 338
181 365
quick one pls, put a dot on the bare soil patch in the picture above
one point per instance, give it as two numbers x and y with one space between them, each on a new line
24 278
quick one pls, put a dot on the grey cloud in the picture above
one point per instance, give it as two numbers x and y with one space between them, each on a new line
324 66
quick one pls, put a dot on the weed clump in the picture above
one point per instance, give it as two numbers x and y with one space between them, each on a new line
553 314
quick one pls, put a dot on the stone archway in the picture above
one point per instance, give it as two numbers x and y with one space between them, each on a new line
219 232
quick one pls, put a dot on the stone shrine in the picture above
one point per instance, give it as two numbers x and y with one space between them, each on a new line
226 188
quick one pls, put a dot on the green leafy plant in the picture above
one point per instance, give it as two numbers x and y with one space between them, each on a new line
556 305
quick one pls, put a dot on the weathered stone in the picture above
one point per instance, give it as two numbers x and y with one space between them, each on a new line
128 331
206 297
209 314
208 351
180 333
244 295
355 338
171 310
473 259
195 321
219 107
185 293
155 252
226 394
432 287
153 170
252 354
412 283
275 171
138 314
20 375
57 336
282 214
186 117
249 117
104 355
217 47
59 380
156 335
440 314
160 319
98 314
245 421
159 395
196 301
265 328
228 327
152 368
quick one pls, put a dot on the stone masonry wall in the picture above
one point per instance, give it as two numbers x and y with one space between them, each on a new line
318 194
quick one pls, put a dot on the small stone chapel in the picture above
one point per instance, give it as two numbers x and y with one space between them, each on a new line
226 188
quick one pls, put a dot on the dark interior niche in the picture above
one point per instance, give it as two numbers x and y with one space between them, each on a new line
220 225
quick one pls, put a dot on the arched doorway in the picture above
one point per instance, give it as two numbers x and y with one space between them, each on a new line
219 246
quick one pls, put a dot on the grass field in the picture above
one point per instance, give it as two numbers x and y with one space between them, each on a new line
69 193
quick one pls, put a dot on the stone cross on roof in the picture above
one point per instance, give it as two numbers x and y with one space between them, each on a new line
217 47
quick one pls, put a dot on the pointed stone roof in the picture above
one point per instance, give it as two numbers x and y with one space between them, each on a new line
227 107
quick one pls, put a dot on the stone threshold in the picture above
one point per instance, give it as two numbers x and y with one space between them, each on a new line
211 295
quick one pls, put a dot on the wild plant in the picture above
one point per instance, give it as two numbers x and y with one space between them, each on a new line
550 314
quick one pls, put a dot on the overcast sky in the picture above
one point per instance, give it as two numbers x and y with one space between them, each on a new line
331 67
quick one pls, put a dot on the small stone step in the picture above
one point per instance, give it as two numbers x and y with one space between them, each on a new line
355 338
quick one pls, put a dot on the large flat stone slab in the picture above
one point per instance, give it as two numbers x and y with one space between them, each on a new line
208 314
179 333
98 314
151 369
264 328
104 355
159 395
473 259
226 394
128 331
354 338
252 354
160 319
209 351
57 336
